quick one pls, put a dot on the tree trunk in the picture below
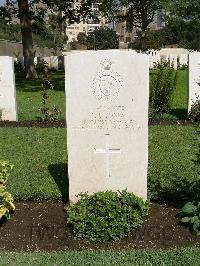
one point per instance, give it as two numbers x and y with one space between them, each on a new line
27 41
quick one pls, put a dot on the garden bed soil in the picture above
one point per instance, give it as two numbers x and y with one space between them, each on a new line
41 226
34 124
62 123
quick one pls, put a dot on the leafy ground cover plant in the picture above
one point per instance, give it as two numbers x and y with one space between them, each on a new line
6 200
106 216
190 215
161 89
6 203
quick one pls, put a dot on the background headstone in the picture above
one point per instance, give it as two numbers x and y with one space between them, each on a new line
174 60
54 62
61 64
163 58
35 60
154 58
194 78
183 60
7 89
107 96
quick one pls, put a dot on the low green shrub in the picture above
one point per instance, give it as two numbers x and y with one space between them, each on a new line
6 200
190 215
194 114
106 216
161 89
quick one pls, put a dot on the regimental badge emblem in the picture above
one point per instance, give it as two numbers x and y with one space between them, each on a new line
107 83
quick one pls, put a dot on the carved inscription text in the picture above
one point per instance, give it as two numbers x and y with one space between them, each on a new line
113 117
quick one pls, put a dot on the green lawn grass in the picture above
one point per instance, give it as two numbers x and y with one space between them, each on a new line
180 97
40 160
173 165
29 96
181 257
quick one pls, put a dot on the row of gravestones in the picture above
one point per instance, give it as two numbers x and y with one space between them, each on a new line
107 117
54 62
174 60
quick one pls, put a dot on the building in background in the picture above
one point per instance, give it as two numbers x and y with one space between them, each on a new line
87 26
158 22
126 37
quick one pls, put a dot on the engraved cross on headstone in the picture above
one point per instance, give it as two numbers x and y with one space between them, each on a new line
107 151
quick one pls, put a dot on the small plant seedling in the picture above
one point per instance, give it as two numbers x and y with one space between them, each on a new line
48 114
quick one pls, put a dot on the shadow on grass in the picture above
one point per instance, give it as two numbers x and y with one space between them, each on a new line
35 85
60 174
180 114
180 191
31 85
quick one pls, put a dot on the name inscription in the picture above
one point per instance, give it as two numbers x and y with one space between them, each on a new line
113 117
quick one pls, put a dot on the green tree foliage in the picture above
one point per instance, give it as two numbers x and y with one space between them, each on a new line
9 31
152 41
57 27
139 14
183 23
82 38
102 39
31 11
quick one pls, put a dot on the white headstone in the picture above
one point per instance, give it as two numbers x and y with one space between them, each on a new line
174 61
168 59
54 62
35 60
194 78
107 96
61 64
7 89
154 58
183 59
